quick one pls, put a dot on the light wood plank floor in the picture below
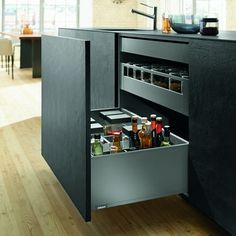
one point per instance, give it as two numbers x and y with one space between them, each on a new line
32 202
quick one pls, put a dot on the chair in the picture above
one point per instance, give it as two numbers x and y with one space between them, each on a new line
6 50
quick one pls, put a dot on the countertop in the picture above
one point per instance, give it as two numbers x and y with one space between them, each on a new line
152 34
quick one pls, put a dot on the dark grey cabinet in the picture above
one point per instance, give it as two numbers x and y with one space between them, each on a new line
206 108
104 51
109 180
212 163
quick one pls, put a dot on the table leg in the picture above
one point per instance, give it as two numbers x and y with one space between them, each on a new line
26 53
36 58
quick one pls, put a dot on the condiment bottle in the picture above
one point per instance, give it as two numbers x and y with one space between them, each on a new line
159 137
166 139
144 134
117 141
134 138
153 130
97 147
165 23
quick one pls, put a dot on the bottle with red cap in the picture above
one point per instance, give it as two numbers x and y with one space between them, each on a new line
153 130
159 135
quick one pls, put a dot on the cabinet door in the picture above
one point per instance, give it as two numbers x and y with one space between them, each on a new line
66 115
212 175
103 65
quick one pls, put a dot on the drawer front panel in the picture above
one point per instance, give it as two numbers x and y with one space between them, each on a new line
139 175
175 51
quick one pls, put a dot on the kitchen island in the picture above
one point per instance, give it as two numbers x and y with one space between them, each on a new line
204 113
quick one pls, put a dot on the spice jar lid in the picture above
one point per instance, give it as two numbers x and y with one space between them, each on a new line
205 19
97 136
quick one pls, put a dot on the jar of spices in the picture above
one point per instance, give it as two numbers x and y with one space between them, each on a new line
97 148
117 141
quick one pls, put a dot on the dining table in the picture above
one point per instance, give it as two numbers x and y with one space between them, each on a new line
30 51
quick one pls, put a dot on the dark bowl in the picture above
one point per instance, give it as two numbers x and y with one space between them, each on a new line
182 28
185 24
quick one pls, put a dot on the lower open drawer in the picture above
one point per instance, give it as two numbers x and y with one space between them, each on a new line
134 176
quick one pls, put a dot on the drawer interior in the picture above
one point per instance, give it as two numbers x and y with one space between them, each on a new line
123 178
131 176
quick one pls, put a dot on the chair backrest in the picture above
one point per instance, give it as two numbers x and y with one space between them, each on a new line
6 47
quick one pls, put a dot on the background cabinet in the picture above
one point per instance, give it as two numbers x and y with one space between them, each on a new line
212 162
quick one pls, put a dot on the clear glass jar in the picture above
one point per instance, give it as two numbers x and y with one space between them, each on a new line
97 148
117 141
165 23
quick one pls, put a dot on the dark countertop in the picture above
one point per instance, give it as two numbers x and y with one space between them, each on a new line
152 34
223 35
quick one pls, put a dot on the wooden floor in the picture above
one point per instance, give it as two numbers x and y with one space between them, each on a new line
32 202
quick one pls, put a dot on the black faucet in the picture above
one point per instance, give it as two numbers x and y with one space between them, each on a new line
154 16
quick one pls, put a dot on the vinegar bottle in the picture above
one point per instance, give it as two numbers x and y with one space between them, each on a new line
142 132
159 137
134 138
153 130
165 23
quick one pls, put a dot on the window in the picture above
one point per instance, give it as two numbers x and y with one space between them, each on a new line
59 13
17 13
42 15
211 8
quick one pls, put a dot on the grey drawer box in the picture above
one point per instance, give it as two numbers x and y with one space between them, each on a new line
174 51
134 176
175 101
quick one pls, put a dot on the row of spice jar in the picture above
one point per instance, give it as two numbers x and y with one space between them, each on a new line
159 75
131 68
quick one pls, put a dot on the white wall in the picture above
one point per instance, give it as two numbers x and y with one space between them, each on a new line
109 14
86 13
231 14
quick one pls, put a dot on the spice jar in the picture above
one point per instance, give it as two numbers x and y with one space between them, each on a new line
209 26
117 140
97 148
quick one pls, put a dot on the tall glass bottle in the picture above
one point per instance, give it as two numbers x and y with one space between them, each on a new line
143 133
134 138
117 141
159 137
165 23
148 138
153 130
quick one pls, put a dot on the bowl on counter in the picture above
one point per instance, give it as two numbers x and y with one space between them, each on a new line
185 24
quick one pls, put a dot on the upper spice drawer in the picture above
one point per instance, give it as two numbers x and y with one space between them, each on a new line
168 50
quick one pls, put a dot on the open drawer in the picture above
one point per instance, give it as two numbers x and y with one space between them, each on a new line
131 176
107 180
123 178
